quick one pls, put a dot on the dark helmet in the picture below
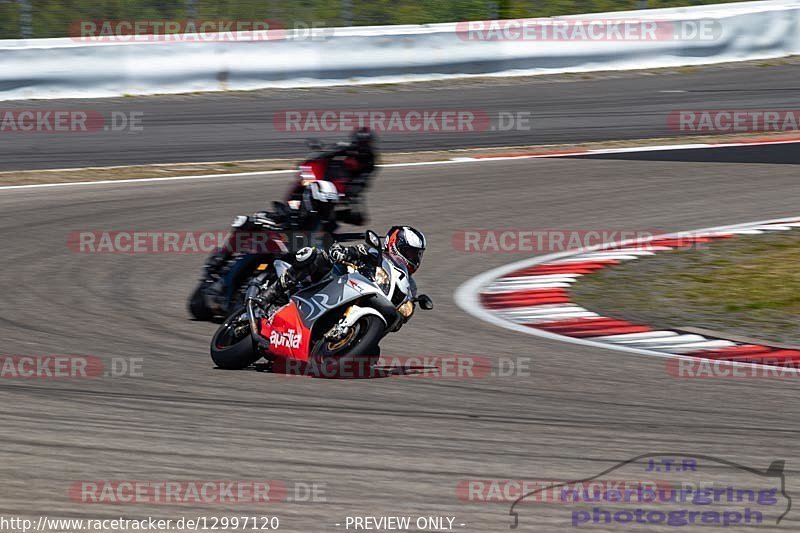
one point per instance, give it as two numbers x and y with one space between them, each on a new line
405 245
363 136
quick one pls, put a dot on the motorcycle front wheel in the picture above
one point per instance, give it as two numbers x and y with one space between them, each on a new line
351 357
232 346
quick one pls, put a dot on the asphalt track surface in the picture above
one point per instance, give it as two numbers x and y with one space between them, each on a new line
785 154
393 446
239 125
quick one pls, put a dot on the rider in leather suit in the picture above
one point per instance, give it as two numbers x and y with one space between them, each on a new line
404 245
350 168
313 219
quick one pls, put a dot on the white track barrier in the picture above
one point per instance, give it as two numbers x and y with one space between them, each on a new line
59 68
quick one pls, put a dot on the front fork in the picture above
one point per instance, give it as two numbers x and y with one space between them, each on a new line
253 303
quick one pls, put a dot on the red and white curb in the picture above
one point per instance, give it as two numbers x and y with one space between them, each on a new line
530 296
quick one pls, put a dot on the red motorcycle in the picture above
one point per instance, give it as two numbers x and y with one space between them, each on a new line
330 327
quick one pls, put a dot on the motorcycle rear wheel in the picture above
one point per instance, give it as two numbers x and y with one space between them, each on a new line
232 346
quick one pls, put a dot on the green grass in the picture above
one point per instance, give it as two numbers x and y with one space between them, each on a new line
52 18
748 285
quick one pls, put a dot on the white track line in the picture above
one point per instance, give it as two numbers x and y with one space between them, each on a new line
543 319
501 289
214 176
601 257
649 336
547 310
452 161
544 278
708 345
671 340
146 180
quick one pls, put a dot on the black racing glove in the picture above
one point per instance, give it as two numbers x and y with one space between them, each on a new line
340 254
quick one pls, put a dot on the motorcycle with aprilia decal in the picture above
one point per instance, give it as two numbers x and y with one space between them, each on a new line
331 328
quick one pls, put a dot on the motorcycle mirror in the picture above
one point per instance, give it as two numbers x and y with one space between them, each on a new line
372 239
425 302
